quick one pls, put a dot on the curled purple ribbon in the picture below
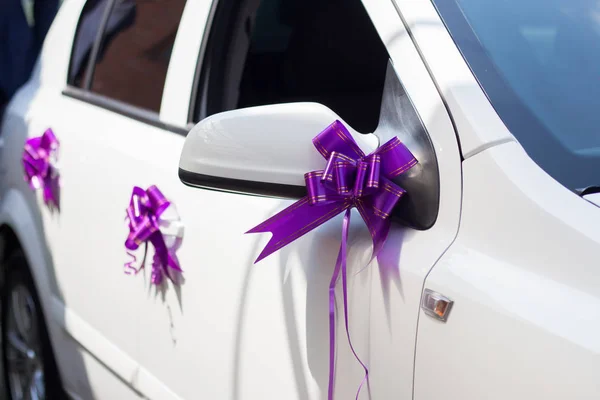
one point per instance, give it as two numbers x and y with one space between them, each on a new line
350 179
144 214
39 163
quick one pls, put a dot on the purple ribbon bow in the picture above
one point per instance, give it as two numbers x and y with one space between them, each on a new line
144 211
350 179
39 163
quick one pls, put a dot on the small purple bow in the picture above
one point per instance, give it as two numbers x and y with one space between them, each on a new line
350 179
39 163
144 215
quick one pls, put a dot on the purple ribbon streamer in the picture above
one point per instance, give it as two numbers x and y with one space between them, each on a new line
143 213
39 154
350 179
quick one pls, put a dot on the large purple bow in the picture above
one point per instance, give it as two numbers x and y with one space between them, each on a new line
350 179
39 163
144 213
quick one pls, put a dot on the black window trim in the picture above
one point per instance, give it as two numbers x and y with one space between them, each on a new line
241 186
128 110
201 60
202 77
91 67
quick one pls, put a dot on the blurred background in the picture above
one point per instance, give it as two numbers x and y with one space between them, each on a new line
23 27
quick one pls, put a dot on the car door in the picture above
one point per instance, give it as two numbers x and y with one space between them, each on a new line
243 331
523 271
524 283
109 117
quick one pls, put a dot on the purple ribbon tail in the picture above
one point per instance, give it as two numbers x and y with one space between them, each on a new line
295 221
129 268
158 269
341 266
50 191
332 345
162 259
378 227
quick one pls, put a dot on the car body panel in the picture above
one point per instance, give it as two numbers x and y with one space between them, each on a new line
78 296
526 290
233 301
477 123
520 272
398 280
214 326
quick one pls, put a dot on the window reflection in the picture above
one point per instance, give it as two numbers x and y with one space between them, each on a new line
134 52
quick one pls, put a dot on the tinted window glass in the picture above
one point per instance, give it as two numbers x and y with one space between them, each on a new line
539 63
135 51
281 51
87 30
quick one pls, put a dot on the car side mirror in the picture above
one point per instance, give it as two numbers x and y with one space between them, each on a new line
266 151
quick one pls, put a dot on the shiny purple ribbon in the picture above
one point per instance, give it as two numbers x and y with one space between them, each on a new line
144 212
39 163
350 179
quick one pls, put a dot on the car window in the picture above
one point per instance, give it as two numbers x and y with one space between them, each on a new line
87 30
281 51
541 74
134 50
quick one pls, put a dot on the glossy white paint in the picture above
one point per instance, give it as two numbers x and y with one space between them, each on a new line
266 335
526 289
23 210
236 330
247 331
79 279
262 144
397 281
593 198
476 121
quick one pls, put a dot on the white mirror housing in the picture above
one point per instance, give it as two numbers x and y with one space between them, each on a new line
262 145
266 150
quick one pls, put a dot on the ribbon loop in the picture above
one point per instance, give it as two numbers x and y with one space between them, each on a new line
350 179
373 162
396 158
339 173
318 191
144 215
337 138
49 141
158 202
40 156
141 232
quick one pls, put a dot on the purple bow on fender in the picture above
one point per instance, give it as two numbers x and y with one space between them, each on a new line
350 179
39 163
144 214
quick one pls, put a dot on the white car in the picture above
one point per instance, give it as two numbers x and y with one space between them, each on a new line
488 286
